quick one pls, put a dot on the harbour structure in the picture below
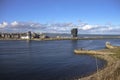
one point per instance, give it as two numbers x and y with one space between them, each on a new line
96 52
74 32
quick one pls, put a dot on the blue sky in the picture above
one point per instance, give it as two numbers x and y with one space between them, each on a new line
61 13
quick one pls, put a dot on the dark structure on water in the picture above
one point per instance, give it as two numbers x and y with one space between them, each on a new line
74 32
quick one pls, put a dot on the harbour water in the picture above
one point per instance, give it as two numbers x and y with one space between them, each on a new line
48 60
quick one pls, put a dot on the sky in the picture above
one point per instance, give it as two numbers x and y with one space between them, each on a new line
60 16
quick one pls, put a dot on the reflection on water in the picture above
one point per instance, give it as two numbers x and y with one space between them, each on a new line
47 60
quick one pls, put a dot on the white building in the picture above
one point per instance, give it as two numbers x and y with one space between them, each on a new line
24 37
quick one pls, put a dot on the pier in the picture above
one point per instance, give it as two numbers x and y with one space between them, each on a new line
97 52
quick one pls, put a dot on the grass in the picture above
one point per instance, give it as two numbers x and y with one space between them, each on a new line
116 74
117 53
112 70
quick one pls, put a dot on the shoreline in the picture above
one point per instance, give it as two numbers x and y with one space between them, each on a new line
111 71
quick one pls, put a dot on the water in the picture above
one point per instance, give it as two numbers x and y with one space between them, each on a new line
48 60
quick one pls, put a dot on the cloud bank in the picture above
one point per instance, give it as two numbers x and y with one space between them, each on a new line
83 28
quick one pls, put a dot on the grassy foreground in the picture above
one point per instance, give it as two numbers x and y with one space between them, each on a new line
111 70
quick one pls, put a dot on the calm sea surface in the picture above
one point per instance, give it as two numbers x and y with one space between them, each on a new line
48 60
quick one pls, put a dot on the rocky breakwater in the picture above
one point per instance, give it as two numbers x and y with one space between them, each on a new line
112 70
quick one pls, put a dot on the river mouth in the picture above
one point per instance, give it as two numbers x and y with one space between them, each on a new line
45 60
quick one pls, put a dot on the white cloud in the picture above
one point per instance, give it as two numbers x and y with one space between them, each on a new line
57 27
3 25
87 27
110 28
15 23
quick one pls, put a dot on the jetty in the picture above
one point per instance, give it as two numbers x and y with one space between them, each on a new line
91 52
97 52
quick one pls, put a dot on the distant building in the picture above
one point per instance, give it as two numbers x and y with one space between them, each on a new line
0 35
43 36
24 37
10 35
35 35
29 35
74 32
